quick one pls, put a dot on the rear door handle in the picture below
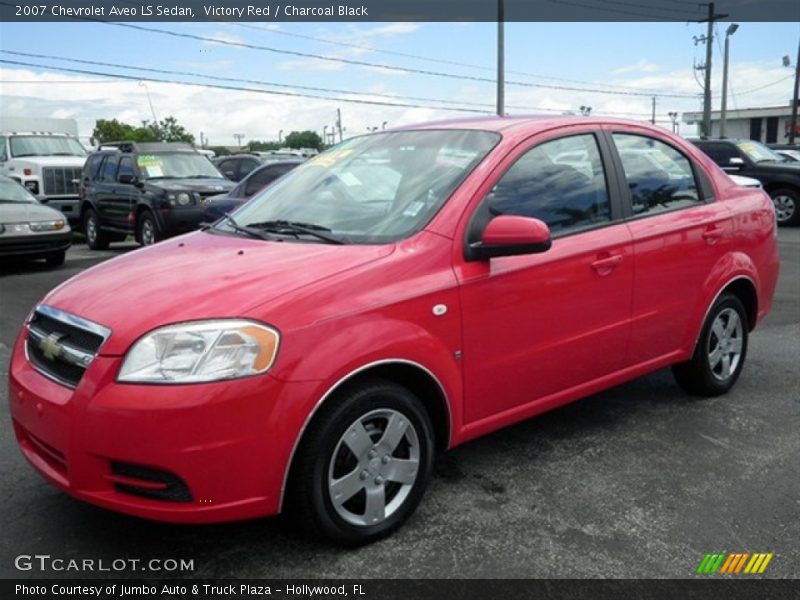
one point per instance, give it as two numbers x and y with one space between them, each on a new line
713 235
604 266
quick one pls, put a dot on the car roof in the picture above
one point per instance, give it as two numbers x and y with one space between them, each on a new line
507 123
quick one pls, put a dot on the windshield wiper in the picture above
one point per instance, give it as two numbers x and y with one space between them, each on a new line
248 230
296 227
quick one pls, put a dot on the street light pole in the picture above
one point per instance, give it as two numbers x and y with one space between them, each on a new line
723 112
500 58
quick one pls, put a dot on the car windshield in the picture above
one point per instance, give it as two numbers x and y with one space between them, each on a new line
176 165
371 189
45 145
11 191
758 152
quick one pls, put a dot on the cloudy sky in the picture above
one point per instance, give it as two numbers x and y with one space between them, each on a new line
551 67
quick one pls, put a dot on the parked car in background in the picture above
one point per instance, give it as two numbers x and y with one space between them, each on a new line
149 190
45 156
29 229
217 206
399 295
238 166
779 177
746 181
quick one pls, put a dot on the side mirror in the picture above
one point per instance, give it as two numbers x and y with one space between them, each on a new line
507 235
127 178
735 164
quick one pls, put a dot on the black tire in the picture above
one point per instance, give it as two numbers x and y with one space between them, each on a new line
56 259
147 232
96 238
787 205
309 500
699 376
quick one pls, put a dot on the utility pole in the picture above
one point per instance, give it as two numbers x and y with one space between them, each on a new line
239 137
653 117
795 97
723 109
339 122
500 59
280 136
707 88
673 116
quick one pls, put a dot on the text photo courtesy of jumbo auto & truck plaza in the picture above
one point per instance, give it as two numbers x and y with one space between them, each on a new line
399 299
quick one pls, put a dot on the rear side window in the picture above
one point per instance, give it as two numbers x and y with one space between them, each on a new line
659 177
561 182
108 171
246 166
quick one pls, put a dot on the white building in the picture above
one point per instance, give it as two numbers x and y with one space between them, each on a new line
769 124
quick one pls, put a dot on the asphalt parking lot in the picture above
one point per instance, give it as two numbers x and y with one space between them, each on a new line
639 481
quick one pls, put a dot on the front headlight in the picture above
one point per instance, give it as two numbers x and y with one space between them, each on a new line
201 351
180 199
40 226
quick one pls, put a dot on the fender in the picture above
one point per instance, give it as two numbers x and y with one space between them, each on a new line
729 268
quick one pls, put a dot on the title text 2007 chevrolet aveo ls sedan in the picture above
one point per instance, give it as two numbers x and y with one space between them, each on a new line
400 294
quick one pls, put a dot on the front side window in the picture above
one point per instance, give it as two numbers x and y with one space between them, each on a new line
561 182
43 145
659 177
372 189
109 169
125 167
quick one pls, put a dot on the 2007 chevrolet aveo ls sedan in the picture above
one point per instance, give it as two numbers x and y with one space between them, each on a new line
398 295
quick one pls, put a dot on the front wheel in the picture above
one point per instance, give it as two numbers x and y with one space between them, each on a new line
96 238
720 352
363 468
148 231
787 206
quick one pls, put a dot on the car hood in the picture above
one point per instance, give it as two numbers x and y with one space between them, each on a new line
51 161
24 212
200 275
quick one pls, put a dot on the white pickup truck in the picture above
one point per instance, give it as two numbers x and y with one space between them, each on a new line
46 157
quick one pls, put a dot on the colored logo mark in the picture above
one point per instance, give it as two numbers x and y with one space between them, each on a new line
732 563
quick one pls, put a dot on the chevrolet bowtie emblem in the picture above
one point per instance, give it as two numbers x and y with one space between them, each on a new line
50 346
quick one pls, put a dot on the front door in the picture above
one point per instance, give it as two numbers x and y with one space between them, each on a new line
540 324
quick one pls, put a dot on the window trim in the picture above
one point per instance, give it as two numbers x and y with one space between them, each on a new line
133 166
612 184
700 179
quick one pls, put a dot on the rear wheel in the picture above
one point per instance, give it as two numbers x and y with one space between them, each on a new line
787 206
56 259
720 352
96 238
362 470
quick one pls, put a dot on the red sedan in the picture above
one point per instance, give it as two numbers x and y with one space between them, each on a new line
396 296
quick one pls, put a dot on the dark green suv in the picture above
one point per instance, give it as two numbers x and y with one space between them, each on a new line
150 190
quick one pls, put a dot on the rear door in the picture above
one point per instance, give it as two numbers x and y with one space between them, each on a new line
537 325
125 194
679 233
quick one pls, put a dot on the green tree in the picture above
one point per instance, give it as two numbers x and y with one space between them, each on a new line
219 150
112 130
303 139
171 131
260 146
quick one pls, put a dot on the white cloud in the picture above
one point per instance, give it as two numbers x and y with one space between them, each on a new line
643 66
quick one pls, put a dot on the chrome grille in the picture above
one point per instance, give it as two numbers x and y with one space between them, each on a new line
61 346
61 181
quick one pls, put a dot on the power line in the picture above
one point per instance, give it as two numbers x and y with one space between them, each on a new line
659 8
621 11
132 78
371 64
432 59
240 80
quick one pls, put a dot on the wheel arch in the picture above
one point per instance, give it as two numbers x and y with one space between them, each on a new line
742 285
410 374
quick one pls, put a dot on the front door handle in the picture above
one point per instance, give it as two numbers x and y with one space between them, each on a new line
604 266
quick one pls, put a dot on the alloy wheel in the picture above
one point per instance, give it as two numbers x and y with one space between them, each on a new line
725 344
148 233
784 207
374 467
91 229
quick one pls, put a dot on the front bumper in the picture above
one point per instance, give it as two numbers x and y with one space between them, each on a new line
180 219
228 442
34 244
